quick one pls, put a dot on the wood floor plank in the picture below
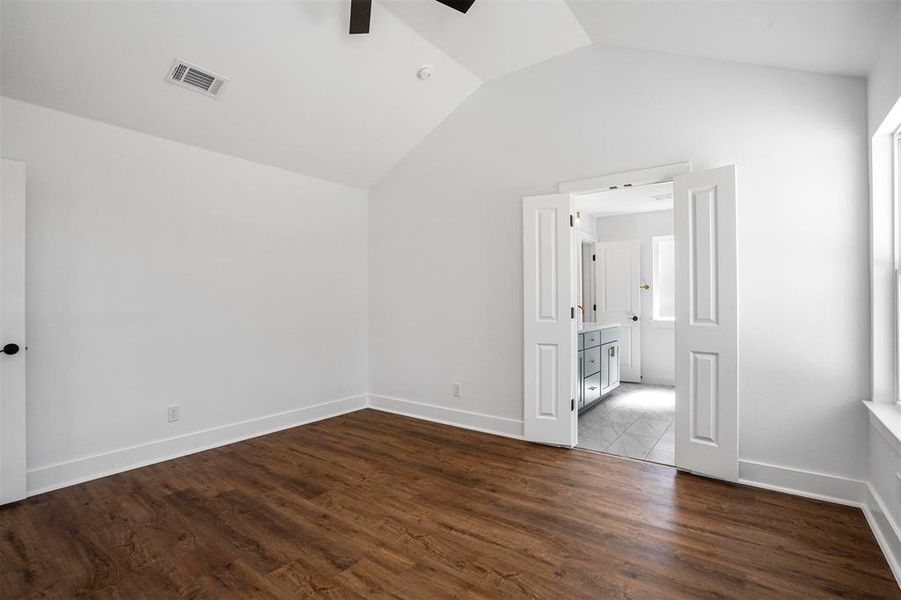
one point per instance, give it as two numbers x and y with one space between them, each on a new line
370 504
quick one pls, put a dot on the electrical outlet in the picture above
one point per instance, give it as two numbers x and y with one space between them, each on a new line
172 413
458 390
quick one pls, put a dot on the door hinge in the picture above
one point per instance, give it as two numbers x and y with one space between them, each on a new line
594 257
572 404
570 220
594 307
572 312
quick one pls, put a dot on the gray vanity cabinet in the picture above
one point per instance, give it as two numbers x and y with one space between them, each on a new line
598 365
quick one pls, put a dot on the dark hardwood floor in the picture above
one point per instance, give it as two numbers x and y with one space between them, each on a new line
372 504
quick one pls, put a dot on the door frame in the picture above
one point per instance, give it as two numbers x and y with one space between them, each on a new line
583 237
592 185
611 181
660 174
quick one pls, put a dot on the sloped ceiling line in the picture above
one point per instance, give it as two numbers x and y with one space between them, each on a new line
306 96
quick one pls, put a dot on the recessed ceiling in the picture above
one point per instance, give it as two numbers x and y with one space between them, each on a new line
825 36
495 37
628 200
303 94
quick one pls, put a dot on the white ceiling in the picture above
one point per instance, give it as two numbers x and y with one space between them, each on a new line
495 37
306 96
824 36
624 201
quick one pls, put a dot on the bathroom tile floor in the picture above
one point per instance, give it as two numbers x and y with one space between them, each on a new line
636 420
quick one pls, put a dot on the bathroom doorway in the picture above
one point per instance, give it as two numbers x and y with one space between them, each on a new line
626 404
570 362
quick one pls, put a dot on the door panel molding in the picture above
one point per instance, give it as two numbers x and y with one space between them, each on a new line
547 380
703 262
704 394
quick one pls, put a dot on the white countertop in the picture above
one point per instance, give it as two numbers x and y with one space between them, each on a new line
596 326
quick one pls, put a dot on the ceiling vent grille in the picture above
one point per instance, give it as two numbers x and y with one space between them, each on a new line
195 78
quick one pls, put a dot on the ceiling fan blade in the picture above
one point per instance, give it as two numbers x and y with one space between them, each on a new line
461 5
360 11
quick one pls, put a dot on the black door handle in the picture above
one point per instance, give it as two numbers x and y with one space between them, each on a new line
10 349
634 318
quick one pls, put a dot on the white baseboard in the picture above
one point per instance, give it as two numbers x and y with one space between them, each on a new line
831 488
512 428
810 484
52 477
888 536
799 482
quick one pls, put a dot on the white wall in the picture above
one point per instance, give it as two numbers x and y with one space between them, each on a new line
658 341
454 312
160 274
884 82
884 457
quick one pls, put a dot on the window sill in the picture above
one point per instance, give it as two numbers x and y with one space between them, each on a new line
886 419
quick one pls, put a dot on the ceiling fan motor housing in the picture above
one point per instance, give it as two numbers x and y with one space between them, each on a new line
360 12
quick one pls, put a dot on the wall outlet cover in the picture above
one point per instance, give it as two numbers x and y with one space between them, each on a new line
458 390
172 413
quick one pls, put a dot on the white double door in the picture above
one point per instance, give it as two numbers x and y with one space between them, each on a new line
706 320
618 296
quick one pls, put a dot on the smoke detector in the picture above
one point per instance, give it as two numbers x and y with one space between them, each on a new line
424 72
196 79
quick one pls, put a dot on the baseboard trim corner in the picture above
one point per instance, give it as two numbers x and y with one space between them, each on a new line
72 472
885 530
831 488
465 419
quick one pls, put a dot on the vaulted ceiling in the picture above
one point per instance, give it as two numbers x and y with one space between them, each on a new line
306 96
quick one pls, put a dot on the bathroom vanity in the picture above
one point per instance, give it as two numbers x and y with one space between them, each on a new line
598 362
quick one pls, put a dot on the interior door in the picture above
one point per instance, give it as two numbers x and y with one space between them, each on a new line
549 328
706 323
618 300
12 331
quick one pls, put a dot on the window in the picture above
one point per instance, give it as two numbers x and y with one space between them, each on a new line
663 282
885 259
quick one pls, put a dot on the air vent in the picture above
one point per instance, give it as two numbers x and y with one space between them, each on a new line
195 78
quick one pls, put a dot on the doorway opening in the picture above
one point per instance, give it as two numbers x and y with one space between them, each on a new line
626 324
703 247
